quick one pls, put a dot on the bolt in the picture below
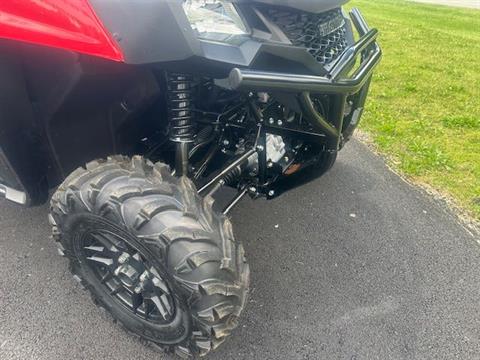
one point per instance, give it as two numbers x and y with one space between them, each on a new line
122 259
226 142
260 148
280 122
117 271
287 159
252 189
270 164
271 121
138 289
145 275
271 193
127 275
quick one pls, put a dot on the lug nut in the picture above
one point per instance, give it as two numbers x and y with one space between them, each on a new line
280 122
270 164
144 276
271 193
226 142
271 121
260 148
252 189
122 259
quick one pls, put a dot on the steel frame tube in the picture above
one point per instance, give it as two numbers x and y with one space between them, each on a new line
258 80
235 201
182 159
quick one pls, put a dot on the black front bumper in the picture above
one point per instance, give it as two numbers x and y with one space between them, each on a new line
339 81
166 39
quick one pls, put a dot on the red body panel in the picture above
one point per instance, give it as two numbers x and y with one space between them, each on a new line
66 24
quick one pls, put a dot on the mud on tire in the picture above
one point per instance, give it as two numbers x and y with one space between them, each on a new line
180 234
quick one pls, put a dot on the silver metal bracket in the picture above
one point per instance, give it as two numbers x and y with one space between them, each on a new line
11 194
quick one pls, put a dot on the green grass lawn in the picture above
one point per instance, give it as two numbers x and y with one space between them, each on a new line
424 107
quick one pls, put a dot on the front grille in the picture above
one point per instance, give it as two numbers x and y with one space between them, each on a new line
323 35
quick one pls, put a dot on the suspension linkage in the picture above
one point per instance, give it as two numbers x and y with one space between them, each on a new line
234 164
229 168
235 201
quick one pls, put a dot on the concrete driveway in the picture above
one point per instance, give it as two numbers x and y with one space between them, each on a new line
356 265
474 4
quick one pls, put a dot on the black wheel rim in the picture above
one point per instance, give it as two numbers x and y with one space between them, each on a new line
128 276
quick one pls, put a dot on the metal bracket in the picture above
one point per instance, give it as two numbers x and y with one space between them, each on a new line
11 194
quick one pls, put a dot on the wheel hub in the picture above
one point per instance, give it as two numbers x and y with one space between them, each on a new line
128 277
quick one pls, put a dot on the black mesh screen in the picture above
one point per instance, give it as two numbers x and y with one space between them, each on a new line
323 35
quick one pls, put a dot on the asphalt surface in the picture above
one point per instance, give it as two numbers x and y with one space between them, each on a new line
356 265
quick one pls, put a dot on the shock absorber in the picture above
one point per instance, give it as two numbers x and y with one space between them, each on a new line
181 116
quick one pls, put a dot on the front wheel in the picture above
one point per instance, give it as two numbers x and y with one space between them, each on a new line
152 253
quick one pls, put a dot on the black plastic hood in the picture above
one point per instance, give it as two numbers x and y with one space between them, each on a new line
314 6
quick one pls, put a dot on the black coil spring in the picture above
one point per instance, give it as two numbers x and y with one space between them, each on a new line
180 103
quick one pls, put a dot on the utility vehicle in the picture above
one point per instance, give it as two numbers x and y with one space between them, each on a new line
130 115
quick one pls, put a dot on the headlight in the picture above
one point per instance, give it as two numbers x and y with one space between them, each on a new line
216 20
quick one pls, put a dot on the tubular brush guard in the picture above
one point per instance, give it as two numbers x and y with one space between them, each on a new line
337 82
